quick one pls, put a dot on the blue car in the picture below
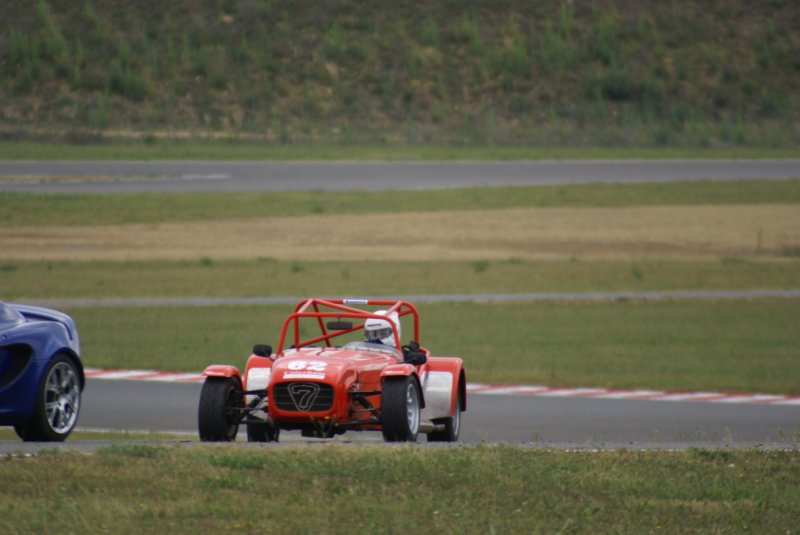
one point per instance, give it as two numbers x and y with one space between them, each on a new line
41 375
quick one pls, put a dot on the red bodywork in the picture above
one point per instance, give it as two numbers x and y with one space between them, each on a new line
325 389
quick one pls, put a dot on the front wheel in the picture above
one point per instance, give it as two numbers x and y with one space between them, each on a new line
400 409
219 414
58 402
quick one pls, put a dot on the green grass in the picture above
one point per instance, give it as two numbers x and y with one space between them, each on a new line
334 489
207 277
30 209
732 346
233 149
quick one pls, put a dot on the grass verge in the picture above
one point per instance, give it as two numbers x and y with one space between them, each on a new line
31 209
233 149
731 346
151 489
209 277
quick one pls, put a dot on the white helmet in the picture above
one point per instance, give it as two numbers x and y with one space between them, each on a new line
376 330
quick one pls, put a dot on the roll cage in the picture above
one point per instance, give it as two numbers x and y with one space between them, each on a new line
337 309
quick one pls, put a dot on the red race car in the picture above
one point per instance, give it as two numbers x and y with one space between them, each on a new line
368 383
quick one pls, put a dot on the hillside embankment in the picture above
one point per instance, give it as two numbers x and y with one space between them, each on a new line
513 72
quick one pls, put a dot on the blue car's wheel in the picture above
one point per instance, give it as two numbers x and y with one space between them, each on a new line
58 403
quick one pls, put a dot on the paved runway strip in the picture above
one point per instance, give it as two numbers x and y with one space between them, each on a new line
165 176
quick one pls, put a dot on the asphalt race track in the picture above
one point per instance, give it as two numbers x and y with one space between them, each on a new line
113 176
535 421
132 405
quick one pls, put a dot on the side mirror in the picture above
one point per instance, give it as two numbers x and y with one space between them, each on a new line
417 358
262 350
339 325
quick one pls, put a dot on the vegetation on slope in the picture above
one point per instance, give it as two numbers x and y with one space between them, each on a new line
510 72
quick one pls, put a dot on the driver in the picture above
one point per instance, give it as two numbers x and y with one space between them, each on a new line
377 331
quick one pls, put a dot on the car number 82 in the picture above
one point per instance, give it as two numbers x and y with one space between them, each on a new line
311 366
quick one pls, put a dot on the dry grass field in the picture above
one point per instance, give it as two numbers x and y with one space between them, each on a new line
679 232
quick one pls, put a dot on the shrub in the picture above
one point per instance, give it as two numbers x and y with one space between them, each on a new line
605 39
53 46
466 31
430 33
23 49
480 266
125 81
515 57
556 52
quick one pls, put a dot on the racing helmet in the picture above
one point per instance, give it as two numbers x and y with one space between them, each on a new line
380 331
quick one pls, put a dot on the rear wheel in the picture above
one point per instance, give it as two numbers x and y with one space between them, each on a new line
400 409
58 401
219 414
452 425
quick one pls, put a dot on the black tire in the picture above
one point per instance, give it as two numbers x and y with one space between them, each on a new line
219 413
58 403
452 425
262 432
400 409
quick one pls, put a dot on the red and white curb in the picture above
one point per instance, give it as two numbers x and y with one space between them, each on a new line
143 375
474 388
